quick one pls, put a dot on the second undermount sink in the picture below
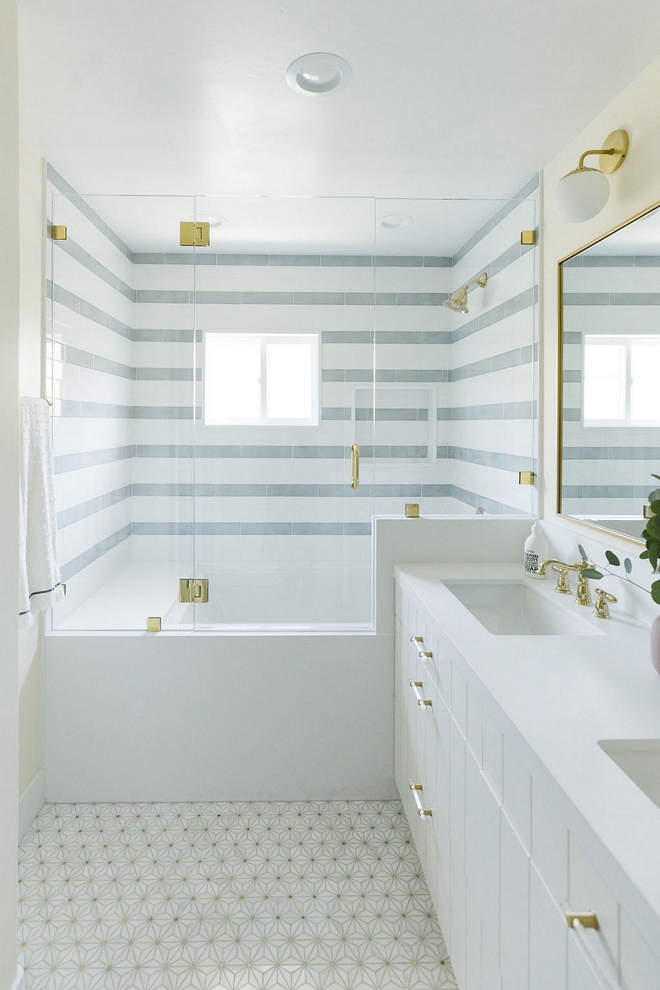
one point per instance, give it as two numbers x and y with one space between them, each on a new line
515 608
640 760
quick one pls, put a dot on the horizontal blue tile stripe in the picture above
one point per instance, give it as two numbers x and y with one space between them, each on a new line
570 453
508 207
83 560
91 458
588 260
487 458
88 261
71 408
607 491
65 298
293 260
503 260
276 298
491 506
526 409
523 300
83 206
611 298
66 517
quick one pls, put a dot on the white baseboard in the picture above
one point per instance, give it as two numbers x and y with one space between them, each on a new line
31 802
18 981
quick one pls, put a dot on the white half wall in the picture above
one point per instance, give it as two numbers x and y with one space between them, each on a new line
203 718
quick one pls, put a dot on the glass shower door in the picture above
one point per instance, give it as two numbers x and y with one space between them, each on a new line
285 358
120 376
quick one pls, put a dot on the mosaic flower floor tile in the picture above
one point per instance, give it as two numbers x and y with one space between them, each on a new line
238 896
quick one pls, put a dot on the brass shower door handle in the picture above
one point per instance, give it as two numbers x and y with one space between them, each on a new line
355 466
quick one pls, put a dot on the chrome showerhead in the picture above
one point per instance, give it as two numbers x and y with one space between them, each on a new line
458 300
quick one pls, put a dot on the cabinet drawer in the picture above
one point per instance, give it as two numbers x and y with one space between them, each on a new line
587 892
548 938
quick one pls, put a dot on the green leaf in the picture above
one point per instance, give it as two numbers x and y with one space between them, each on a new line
656 476
655 592
612 559
582 551
655 506
627 564
591 572
655 494
644 555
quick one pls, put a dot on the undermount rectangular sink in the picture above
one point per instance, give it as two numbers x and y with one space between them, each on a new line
640 760
515 608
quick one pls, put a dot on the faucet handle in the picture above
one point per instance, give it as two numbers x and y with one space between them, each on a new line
602 611
562 584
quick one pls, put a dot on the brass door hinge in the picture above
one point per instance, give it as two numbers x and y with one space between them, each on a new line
58 232
194 234
526 477
194 590
412 510
528 237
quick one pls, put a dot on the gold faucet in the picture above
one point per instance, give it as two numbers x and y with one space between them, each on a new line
583 595
602 610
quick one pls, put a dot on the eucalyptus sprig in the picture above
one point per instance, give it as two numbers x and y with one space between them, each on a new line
651 536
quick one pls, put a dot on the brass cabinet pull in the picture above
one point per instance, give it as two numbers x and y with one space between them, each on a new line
355 466
417 639
422 702
421 810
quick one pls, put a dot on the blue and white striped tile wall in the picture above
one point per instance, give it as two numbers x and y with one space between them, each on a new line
489 422
455 396
606 471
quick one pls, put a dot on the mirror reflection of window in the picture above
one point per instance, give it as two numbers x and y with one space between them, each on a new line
621 377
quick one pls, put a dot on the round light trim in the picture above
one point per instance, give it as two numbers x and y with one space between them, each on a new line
581 195
396 220
212 219
319 74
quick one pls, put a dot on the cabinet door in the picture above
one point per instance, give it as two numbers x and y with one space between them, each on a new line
548 937
514 909
482 874
457 902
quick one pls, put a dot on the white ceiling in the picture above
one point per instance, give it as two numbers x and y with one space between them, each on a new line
449 98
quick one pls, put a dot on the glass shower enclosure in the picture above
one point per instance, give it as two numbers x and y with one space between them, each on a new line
230 417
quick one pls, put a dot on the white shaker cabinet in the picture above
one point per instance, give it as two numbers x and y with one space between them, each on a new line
502 867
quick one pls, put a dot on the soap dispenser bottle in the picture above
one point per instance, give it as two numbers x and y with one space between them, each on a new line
536 550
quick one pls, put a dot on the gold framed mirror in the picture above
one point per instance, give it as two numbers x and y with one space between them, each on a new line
608 444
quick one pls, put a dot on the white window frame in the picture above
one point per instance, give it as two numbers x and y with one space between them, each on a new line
263 339
627 341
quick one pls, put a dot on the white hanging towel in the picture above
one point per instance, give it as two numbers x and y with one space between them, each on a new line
39 583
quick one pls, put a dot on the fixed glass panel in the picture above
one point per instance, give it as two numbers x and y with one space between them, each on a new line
284 321
610 363
456 356
122 381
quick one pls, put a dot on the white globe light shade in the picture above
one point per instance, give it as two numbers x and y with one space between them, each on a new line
581 195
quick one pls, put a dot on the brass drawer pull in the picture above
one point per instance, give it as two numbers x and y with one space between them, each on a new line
422 702
421 810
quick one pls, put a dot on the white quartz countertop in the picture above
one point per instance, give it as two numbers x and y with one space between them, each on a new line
561 694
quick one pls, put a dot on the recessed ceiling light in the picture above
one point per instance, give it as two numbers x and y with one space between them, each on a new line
396 220
319 74
212 219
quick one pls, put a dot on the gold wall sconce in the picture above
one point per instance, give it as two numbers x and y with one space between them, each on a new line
581 194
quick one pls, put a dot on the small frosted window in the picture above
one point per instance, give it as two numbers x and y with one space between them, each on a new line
620 380
258 379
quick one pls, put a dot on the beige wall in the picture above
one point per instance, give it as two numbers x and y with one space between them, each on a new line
32 188
9 294
634 188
